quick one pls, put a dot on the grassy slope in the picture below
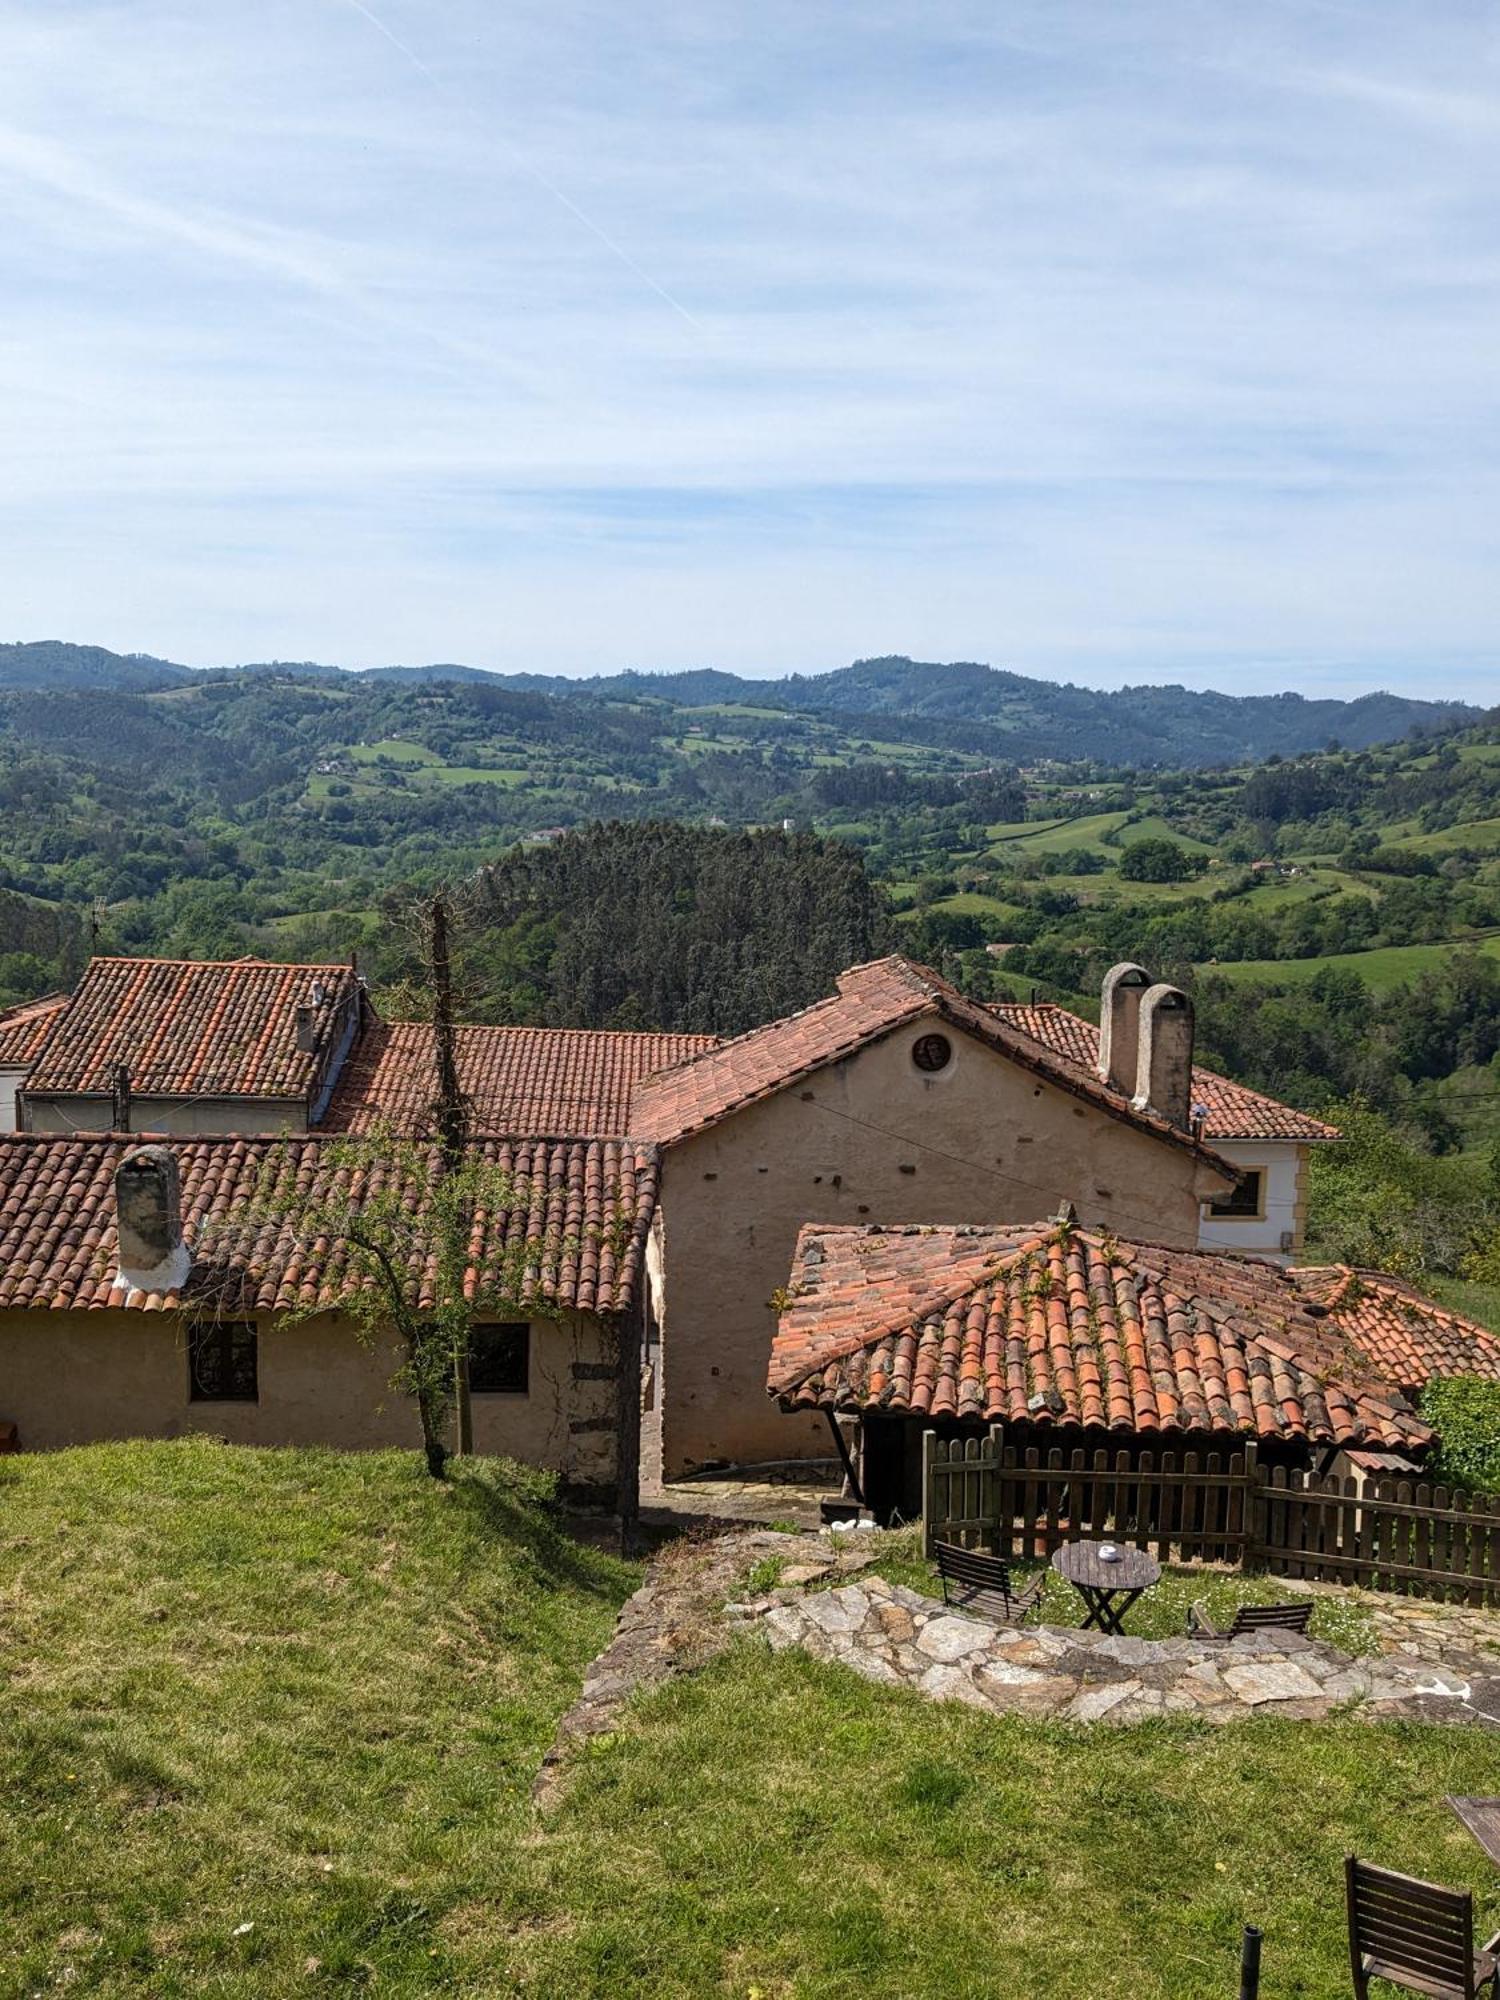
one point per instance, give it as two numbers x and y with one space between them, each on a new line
307 1693
777 1827
1378 969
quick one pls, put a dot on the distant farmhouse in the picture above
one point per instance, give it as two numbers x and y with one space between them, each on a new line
680 1193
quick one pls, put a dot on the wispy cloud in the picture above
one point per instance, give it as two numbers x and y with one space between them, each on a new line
1116 343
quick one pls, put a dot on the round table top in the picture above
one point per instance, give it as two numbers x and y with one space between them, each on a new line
1081 1562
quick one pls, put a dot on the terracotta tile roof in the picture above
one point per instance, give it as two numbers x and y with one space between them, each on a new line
1065 1326
23 1029
871 1000
562 1082
190 1029
1234 1110
1406 1337
586 1203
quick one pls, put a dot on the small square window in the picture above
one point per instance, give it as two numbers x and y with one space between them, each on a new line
1243 1204
222 1362
500 1358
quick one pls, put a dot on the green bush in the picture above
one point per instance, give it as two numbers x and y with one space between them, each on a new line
1465 1413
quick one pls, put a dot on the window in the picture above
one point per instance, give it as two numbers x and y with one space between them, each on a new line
500 1358
221 1362
932 1053
1244 1204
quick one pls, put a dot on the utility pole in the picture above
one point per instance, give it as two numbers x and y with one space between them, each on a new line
450 1106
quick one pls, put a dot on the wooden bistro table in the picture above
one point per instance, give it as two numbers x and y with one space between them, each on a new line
1482 1818
1108 1589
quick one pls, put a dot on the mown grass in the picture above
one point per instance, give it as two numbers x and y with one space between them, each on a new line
777 1827
304 1692
269 1723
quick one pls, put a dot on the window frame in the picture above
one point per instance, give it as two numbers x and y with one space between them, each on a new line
520 1329
223 1334
1224 1212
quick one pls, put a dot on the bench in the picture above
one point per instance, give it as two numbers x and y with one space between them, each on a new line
975 1582
1252 1618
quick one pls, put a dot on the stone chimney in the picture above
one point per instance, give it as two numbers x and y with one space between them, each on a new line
148 1218
1164 1055
307 1031
1119 1024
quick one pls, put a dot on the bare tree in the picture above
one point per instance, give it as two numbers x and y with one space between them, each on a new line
450 1107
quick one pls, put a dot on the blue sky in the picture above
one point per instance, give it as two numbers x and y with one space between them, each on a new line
1108 342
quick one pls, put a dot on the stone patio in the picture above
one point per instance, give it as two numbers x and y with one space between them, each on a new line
898 1638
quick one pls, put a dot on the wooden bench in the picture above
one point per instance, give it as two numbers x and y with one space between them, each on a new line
975 1582
1414 1934
1252 1618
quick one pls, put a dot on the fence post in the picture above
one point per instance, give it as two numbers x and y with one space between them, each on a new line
1250 1962
1254 1507
999 1524
929 1510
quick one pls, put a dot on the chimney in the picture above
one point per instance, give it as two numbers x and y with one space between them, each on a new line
307 1031
148 1219
1119 1022
1164 1057
119 1116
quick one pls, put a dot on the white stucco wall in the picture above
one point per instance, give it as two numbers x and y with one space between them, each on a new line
184 1117
10 1080
1282 1165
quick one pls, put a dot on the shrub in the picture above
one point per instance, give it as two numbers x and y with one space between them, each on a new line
1465 1413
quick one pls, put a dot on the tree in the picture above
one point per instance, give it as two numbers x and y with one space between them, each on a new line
416 1262
1156 860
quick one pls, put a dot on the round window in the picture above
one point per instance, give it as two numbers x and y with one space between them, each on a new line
932 1053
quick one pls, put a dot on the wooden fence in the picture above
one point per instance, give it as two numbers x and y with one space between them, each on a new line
1387 1534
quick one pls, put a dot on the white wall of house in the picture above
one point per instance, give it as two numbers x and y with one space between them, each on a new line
1277 1228
185 1117
10 1082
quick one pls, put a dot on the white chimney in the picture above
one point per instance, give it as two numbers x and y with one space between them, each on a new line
307 1031
148 1219
1119 1024
1164 1055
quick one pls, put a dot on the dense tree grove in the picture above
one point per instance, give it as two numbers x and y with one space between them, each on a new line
666 926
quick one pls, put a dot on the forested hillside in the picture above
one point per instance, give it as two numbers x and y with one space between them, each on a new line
1158 726
646 853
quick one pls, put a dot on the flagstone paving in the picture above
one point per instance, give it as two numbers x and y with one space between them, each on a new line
899 1638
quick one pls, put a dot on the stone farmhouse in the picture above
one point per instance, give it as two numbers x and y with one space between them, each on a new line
667 1179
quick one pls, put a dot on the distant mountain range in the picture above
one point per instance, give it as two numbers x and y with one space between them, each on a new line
1167 725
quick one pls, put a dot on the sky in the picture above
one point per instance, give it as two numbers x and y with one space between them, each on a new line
1120 342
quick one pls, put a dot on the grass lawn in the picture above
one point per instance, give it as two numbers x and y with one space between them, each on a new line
1379 969
301 1691
1053 836
776 1827
1467 1296
271 1721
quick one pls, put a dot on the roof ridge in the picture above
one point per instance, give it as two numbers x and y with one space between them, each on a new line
226 964
919 991
546 1028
